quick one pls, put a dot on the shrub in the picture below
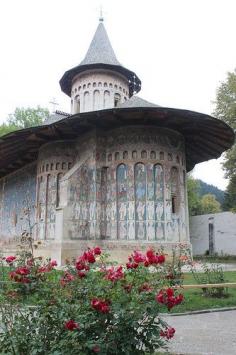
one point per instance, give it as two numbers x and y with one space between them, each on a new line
91 307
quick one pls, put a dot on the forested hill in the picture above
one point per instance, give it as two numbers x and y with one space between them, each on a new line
210 189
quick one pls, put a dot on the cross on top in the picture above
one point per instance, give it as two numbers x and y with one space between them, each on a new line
101 18
54 104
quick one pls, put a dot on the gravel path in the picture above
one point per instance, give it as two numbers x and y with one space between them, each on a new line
204 334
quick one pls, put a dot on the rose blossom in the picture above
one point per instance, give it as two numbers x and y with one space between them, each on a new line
71 325
168 333
10 259
100 305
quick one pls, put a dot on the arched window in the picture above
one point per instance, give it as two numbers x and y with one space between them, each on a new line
117 156
134 154
110 157
153 155
125 154
174 178
143 154
58 198
96 100
86 101
122 187
77 104
170 158
117 99
140 200
161 155
106 102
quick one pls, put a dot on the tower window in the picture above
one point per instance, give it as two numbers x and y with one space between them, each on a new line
77 104
117 99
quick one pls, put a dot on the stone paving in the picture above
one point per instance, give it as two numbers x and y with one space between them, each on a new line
204 334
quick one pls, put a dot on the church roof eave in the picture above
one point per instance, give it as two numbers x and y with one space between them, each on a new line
205 137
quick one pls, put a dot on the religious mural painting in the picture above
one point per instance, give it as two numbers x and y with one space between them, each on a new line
140 200
122 201
159 202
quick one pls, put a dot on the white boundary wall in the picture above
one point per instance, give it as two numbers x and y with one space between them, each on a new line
224 235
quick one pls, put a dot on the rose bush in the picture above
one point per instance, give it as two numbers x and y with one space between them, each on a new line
89 307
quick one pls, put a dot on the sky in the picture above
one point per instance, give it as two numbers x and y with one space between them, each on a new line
181 50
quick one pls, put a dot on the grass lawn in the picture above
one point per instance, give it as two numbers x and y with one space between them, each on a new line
194 299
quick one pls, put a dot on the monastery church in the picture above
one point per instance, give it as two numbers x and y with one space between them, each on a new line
111 173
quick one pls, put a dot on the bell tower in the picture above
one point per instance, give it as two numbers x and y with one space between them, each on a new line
99 81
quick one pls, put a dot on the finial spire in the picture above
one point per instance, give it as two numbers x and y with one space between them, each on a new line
101 18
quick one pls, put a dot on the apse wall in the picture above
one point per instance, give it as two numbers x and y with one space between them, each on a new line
17 192
129 184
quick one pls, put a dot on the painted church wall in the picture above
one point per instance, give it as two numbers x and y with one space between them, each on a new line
81 192
55 159
129 187
17 192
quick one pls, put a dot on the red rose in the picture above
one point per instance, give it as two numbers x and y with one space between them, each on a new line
97 251
170 292
22 271
53 263
168 333
90 257
96 349
71 325
114 274
138 257
100 305
10 259
161 259
81 274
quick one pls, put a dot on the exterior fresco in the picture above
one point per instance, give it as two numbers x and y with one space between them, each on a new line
122 201
18 192
159 202
140 200
126 188
123 186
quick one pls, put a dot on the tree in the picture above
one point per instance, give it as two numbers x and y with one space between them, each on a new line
6 128
200 205
28 117
226 111
230 195
209 204
24 118
194 204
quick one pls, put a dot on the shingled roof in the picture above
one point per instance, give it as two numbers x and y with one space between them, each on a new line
100 55
205 137
100 49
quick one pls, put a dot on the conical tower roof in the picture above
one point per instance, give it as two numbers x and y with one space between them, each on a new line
100 55
100 49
